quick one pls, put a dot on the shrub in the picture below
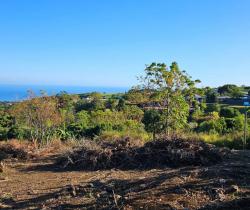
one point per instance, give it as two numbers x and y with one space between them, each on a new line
153 122
235 124
93 132
133 113
212 108
213 126
6 125
229 112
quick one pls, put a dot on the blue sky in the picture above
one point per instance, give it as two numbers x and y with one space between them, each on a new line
108 43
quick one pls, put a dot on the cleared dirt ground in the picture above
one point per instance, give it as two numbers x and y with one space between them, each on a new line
38 184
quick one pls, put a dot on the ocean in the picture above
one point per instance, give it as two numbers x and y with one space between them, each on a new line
13 93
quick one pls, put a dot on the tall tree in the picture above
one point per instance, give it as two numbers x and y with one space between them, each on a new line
172 90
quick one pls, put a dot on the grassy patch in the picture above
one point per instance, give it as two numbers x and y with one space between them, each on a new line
232 140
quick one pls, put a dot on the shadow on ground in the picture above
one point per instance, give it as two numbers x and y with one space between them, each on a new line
226 186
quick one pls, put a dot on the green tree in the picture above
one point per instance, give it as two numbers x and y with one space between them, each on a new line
6 125
215 107
211 95
136 96
133 112
111 104
153 122
170 89
230 90
121 104
96 102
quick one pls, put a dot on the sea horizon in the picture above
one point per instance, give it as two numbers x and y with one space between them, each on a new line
15 92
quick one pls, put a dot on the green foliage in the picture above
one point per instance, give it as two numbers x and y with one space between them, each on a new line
40 115
235 124
106 118
136 96
82 105
117 135
211 95
133 112
230 90
92 102
66 101
111 104
121 104
83 119
230 140
7 126
213 126
229 112
164 103
97 103
212 108
176 118
226 89
170 88
153 122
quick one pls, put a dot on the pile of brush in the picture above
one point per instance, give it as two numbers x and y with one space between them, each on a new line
125 154
11 151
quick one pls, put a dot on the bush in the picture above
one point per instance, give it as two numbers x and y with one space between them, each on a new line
153 122
93 132
213 126
235 124
212 108
133 113
6 125
229 112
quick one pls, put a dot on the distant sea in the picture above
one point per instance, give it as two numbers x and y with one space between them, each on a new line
13 93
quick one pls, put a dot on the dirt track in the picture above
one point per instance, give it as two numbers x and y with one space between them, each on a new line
38 185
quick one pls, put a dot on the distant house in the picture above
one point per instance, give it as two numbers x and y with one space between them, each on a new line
222 98
245 97
233 101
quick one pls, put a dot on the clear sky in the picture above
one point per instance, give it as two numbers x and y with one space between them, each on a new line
108 43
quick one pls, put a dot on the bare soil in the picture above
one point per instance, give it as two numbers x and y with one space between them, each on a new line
38 184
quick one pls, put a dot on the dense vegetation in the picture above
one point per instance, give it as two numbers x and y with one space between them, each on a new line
166 102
